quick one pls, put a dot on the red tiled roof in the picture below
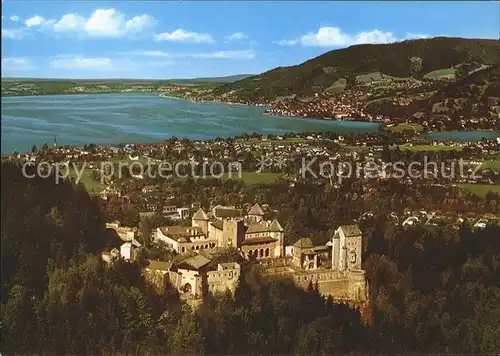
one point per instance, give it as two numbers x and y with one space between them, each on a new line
258 240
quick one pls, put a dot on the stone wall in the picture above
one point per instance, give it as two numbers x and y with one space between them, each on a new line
340 285
276 262
220 281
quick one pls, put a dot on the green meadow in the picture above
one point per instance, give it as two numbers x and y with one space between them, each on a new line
430 148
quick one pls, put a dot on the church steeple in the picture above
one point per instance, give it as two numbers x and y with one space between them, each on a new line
55 141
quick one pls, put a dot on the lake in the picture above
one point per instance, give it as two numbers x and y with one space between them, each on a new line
139 118
142 118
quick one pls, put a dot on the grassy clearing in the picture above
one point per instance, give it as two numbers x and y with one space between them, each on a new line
405 127
430 148
288 141
441 73
126 160
494 165
254 177
251 178
369 77
480 189
91 185
337 87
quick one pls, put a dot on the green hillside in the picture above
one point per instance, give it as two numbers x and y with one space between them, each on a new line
408 59
476 94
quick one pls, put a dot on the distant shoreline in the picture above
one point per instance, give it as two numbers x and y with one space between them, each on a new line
97 93
163 95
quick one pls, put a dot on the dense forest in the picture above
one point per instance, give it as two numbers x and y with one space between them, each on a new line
433 289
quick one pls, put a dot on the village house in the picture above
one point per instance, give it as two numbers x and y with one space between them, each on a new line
128 251
148 189
175 213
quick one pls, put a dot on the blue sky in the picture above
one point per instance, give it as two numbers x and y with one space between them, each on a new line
125 39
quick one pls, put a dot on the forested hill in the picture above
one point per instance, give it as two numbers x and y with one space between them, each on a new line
473 95
412 58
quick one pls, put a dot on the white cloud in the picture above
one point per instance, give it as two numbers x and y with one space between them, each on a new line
334 37
325 37
14 18
375 36
153 53
115 65
105 23
13 33
180 35
238 54
415 36
35 21
101 23
69 22
16 64
236 36
81 62
244 54
139 23
288 42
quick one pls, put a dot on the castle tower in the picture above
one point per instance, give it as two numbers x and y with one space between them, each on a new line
233 232
347 248
336 250
200 219
277 232
255 214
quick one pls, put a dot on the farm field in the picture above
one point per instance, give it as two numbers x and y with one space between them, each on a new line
494 165
430 148
91 185
251 178
405 127
287 141
447 72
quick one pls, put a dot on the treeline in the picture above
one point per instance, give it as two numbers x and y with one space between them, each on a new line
432 290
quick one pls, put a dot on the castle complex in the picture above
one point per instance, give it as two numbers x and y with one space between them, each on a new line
227 227
334 267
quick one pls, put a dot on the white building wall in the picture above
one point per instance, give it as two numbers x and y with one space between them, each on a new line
126 251
171 243
188 276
